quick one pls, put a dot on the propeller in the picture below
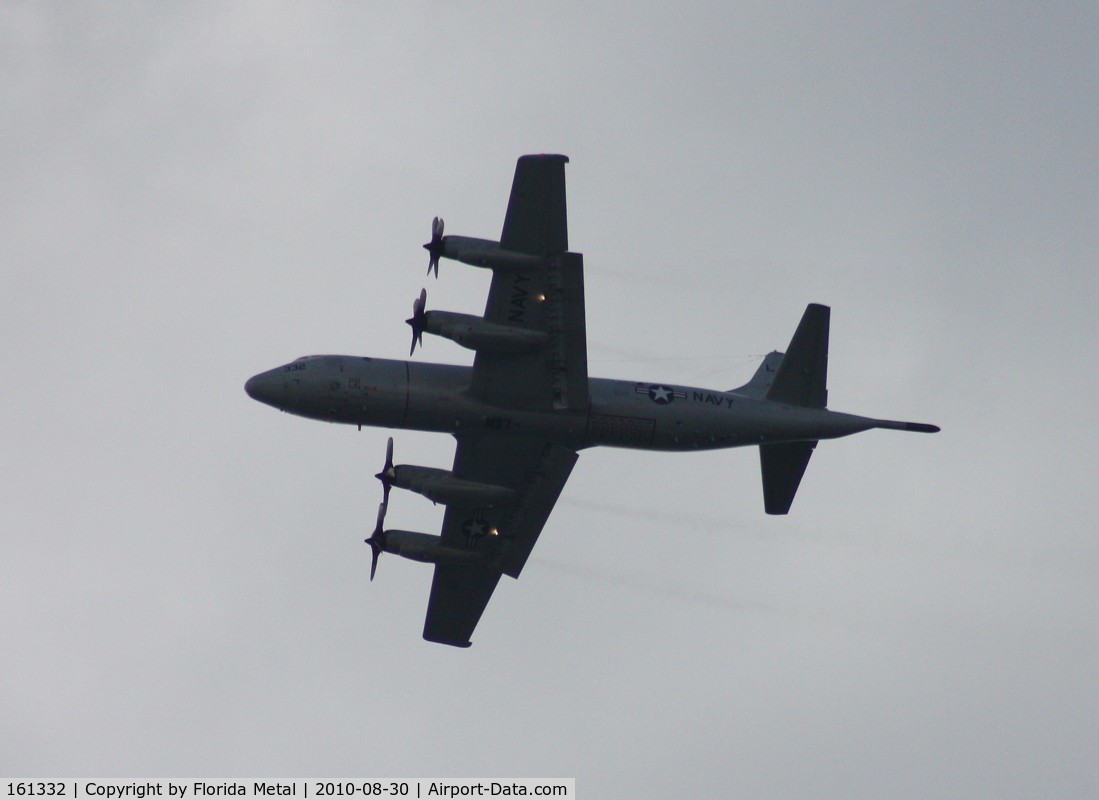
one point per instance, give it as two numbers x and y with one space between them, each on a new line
378 537
435 246
387 474
418 320
377 540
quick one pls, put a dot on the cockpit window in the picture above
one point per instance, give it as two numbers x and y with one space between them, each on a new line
299 364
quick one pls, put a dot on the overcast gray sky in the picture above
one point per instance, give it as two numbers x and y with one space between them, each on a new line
197 192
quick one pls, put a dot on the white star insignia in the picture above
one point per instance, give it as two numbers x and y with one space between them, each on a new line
475 530
661 394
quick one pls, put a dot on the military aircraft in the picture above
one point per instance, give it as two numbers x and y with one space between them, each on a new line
526 407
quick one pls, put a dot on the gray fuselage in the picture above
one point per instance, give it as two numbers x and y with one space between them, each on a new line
356 390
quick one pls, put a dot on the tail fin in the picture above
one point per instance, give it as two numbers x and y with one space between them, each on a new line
765 373
800 380
802 377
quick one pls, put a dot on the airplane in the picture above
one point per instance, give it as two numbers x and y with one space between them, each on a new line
526 408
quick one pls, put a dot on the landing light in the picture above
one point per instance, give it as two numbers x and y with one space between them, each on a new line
541 297
493 532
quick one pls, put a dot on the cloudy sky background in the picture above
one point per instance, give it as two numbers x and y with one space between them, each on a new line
194 193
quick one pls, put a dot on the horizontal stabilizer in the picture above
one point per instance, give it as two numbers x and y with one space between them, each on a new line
782 466
802 377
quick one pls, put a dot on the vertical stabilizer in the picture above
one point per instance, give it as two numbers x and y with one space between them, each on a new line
760 383
802 376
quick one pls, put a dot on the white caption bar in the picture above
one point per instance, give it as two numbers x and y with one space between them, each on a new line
563 788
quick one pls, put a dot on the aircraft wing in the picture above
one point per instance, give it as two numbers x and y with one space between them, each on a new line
505 533
548 298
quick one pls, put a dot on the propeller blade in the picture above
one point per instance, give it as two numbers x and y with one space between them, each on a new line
435 246
386 475
418 320
377 539
382 507
375 551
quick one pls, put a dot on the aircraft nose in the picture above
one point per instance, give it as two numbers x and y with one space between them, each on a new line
262 387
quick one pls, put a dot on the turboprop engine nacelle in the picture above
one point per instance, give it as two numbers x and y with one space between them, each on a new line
424 547
440 486
475 333
486 253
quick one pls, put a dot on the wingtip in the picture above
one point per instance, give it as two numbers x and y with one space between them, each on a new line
545 157
449 642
